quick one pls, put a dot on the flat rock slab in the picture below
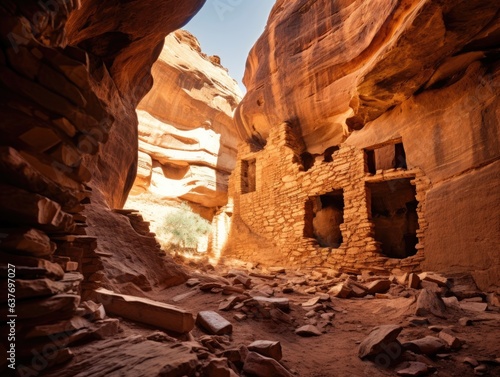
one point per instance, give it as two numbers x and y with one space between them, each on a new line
267 348
379 339
159 314
473 306
378 286
308 330
275 302
311 302
341 290
434 278
414 368
261 366
132 356
184 296
214 323
429 345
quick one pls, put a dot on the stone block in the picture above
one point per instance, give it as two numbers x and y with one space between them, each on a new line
214 323
164 316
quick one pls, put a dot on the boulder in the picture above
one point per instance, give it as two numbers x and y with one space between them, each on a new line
379 340
340 290
430 303
413 281
451 341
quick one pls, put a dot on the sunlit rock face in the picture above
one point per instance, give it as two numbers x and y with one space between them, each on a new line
361 76
333 66
123 41
187 140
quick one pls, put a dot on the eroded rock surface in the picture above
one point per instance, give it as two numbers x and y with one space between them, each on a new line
331 65
187 140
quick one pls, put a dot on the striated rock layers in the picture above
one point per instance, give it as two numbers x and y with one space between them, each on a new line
123 40
415 81
331 66
187 140
71 75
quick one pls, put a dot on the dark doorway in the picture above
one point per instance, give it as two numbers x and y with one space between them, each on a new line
324 215
394 214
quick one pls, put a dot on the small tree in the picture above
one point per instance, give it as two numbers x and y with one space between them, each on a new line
184 227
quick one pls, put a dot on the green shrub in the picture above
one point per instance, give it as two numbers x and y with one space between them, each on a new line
183 228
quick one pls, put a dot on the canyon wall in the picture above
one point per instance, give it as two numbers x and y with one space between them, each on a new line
333 66
187 141
72 73
408 89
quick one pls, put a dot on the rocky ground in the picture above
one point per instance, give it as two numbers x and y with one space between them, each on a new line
309 324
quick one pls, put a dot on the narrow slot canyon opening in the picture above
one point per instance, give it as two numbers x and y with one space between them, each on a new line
324 215
394 214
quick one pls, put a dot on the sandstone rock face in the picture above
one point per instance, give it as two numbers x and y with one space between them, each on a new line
69 138
356 96
187 140
122 50
332 65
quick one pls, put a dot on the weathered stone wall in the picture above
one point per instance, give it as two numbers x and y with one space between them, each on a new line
450 136
277 211
68 143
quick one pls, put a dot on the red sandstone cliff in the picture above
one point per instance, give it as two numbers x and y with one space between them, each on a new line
364 74
333 66
187 140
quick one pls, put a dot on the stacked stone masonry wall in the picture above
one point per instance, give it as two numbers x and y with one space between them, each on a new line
276 210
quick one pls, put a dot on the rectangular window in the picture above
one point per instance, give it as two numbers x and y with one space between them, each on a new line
384 157
248 176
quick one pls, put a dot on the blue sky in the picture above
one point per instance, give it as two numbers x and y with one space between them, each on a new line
229 29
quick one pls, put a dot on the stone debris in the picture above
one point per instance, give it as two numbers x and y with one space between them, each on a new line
281 303
193 282
464 321
379 340
414 368
429 302
92 310
341 290
451 341
217 367
473 306
434 278
164 316
308 330
413 281
311 302
267 348
261 366
213 323
378 286
429 345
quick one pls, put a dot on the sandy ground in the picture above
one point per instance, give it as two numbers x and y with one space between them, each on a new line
335 352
